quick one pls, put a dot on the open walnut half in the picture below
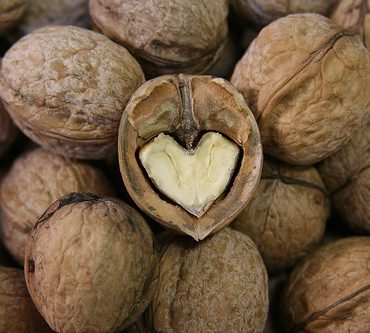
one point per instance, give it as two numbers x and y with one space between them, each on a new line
190 152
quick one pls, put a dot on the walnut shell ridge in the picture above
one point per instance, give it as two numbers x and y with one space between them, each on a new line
11 12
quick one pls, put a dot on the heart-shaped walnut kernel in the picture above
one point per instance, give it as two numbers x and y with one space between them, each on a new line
192 178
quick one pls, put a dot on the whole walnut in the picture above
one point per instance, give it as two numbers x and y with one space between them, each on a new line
329 290
91 264
36 179
11 12
347 176
8 131
307 81
287 215
263 12
179 36
66 88
17 311
217 285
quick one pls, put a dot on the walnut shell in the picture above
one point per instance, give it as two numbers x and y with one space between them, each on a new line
347 176
95 258
218 285
66 88
186 107
167 37
263 12
11 12
17 311
8 131
329 290
287 215
307 81
35 181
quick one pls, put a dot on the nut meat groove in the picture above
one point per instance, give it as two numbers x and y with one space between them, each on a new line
190 152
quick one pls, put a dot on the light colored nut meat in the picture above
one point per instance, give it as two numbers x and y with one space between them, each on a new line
17 311
329 290
347 176
35 181
185 36
10 13
8 131
91 265
307 81
66 88
287 215
217 285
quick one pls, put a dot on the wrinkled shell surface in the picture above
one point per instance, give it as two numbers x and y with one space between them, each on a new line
66 88
308 83
8 131
109 283
262 12
17 311
287 215
329 291
186 107
185 36
35 181
217 285
347 176
10 13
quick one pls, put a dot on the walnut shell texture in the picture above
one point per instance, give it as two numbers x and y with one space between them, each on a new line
287 215
66 88
187 106
10 13
8 131
166 37
217 285
91 264
307 81
35 181
347 176
329 290
17 311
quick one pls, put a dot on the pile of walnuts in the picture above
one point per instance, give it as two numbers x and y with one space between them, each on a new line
185 166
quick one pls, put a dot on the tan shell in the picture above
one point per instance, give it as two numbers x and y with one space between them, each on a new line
178 36
10 13
35 181
354 14
186 107
8 131
66 88
17 311
347 176
218 285
287 215
91 265
307 81
329 291
263 12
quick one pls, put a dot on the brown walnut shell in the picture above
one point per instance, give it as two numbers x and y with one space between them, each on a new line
94 257
186 107
347 177
34 182
8 131
307 81
66 88
179 36
217 285
11 12
17 311
287 215
329 290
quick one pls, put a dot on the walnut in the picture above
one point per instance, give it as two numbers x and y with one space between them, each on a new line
35 181
329 290
66 88
347 176
287 215
94 257
11 12
18 313
306 80
167 37
217 285
8 131
189 152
